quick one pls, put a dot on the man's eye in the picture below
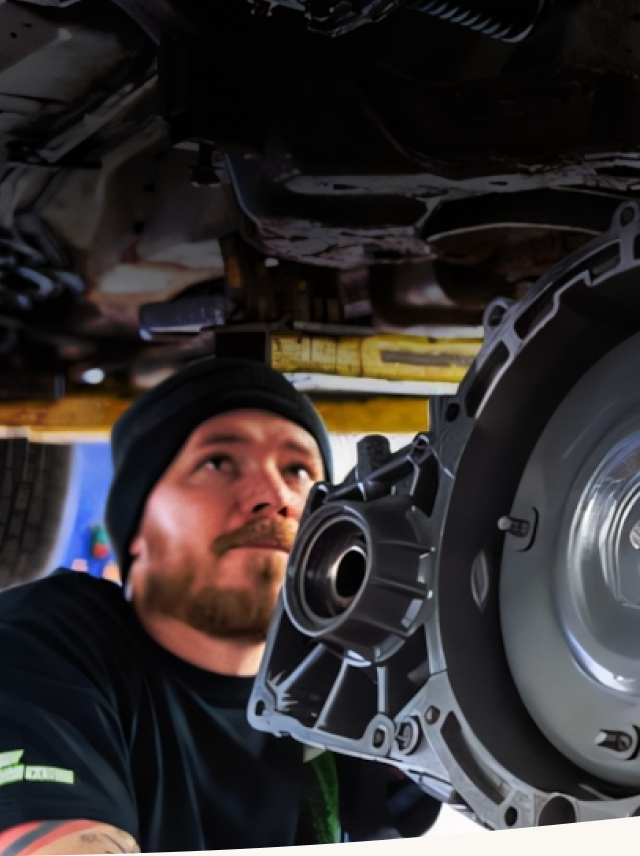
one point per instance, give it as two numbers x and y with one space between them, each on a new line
220 463
298 471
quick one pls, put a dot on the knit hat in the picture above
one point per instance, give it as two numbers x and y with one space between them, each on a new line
151 432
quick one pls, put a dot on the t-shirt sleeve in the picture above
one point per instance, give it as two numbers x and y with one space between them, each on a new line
63 750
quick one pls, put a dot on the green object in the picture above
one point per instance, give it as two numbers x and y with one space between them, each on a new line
320 813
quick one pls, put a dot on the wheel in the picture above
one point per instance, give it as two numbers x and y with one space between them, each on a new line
36 492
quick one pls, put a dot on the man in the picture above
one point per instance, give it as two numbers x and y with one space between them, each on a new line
123 718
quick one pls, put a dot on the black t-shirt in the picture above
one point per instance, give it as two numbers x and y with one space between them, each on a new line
97 721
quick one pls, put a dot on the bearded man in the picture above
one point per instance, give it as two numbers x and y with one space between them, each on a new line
123 710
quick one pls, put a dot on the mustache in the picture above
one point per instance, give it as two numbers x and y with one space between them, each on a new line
278 533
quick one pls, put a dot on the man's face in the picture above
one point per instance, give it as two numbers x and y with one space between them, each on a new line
214 540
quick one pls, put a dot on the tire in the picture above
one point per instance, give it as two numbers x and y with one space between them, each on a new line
35 482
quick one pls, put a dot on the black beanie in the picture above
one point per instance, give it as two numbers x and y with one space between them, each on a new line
151 432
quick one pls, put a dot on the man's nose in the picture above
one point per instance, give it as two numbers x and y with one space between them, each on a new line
267 492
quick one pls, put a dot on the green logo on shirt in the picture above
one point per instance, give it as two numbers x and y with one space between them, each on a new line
12 774
8 759
11 770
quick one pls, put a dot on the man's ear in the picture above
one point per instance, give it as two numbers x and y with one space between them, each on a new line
136 545
136 550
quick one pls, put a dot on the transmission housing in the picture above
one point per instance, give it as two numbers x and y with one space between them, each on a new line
468 608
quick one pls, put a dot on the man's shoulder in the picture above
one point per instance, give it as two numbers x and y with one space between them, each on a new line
64 596
74 624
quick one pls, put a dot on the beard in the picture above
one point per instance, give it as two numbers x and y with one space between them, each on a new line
220 613
238 614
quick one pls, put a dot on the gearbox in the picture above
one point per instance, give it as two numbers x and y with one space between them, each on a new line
468 608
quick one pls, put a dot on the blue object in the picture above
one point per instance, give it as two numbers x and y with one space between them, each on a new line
91 477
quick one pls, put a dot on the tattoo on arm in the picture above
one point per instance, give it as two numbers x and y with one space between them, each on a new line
96 838
65 837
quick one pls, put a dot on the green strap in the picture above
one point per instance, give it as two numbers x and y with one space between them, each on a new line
320 808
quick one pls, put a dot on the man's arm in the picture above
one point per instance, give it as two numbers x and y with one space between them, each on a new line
65 838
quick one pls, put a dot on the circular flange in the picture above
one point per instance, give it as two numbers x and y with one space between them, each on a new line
570 602
356 577
328 567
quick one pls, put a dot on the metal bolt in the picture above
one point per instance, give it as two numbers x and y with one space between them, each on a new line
615 741
432 715
404 736
634 536
408 736
519 528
